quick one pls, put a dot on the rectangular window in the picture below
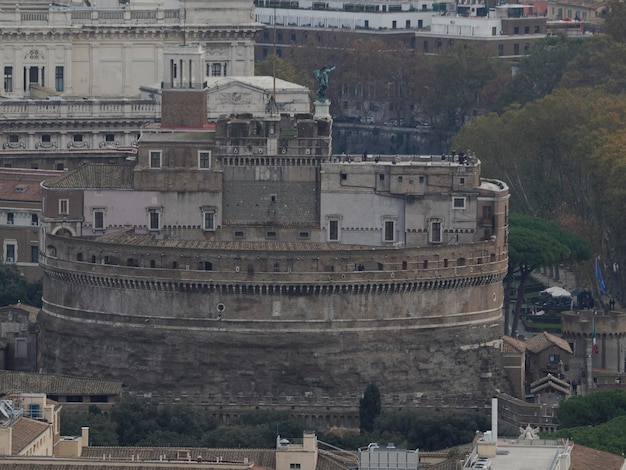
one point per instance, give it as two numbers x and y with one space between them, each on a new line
204 159
64 206
155 159
58 78
500 49
516 30
333 230
34 254
78 137
304 235
209 221
21 348
60 166
389 231
239 234
10 218
14 138
554 358
216 70
294 465
435 231
34 219
270 234
45 138
98 220
10 253
8 79
458 203
155 220
515 49
109 137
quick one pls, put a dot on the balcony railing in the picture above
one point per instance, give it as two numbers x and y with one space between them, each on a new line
61 16
68 109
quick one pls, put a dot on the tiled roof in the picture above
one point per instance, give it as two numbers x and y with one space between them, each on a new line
585 458
95 176
12 189
510 344
130 238
539 342
550 381
25 431
53 384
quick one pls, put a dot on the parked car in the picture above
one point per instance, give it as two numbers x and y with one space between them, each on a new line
391 123
367 120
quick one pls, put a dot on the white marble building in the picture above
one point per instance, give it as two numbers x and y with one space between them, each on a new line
72 72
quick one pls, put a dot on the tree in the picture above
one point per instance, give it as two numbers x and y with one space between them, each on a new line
369 408
458 77
14 288
600 64
284 70
615 20
540 72
534 243
101 429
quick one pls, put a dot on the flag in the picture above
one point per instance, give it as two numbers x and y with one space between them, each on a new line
599 278
595 342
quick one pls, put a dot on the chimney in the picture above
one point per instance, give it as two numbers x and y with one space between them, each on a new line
84 433
183 90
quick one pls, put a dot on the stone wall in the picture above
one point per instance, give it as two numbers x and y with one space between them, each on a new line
433 331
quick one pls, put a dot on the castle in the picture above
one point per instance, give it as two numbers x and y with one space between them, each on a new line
241 258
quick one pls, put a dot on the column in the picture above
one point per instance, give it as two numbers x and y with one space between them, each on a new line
589 363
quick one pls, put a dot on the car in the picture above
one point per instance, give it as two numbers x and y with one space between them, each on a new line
367 120
423 125
391 123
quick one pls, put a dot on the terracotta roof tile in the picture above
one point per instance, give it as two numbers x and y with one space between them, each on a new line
130 238
550 381
53 384
586 458
510 344
95 176
539 342
25 431
12 189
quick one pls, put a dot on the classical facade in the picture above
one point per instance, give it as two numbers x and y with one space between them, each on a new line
242 258
72 72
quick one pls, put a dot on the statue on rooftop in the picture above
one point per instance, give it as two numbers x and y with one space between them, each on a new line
322 80
529 432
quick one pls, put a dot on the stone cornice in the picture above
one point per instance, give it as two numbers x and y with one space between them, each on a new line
165 33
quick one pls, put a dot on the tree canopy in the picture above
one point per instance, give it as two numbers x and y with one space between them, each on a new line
15 288
534 243
597 420
369 408
540 72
